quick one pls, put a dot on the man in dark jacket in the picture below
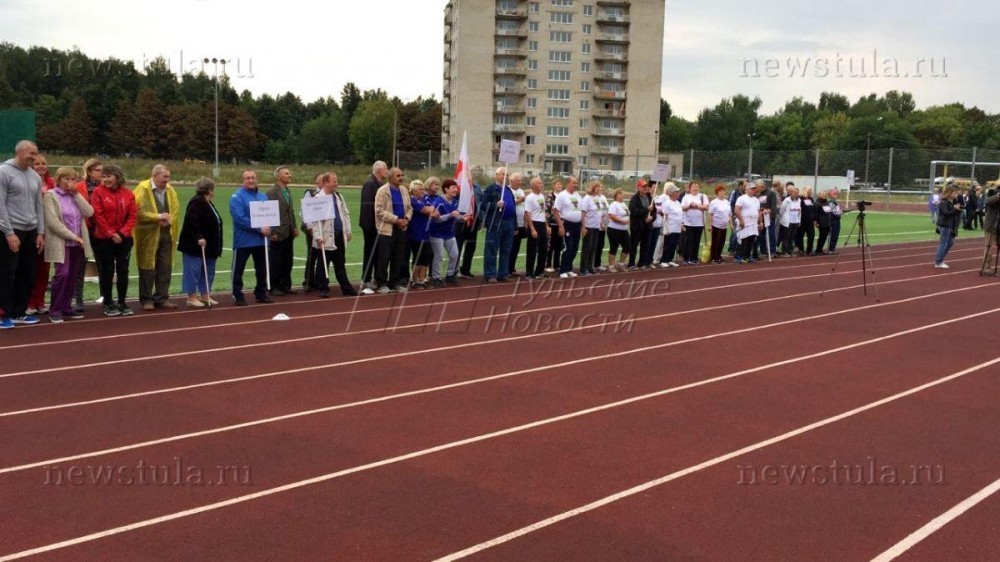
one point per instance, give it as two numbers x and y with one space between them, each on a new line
640 212
366 220
991 227
769 202
282 248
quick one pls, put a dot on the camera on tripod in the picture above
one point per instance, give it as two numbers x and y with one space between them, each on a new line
862 204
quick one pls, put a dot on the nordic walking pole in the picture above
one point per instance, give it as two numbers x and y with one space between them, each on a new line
267 260
208 290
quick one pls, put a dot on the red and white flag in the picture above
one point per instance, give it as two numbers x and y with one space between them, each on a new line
463 175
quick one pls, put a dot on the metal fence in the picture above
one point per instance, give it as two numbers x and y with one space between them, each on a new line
883 169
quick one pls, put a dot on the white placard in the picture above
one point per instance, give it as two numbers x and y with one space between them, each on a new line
318 208
264 213
661 173
850 178
510 151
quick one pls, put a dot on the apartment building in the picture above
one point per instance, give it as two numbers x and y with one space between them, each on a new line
576 82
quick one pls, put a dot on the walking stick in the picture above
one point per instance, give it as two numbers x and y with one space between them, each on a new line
208 289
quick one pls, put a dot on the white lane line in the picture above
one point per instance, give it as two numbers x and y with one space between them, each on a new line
937 523
520 428
583 326
493 316
548 290
707 464
588 359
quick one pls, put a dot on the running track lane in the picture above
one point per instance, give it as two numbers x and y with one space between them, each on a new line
667 442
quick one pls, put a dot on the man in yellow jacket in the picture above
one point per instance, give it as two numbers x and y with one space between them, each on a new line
158 213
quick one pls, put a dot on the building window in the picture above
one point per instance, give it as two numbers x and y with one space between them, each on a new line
532 103
529 140
585 86
532 64
560 56
560 37
561 17
532 45
529 159
586 48
566 3
559 75
586 29
530 121
584 67
533 7
583 141
587 10
557 149
557 131
584 105
558 113
533 26
584 123
582 160
559 95
532 84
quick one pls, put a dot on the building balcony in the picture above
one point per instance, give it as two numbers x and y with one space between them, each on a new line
514 90
607 150
516 129
609 94
619 3
521 32
516 14
612 112
447 55
509 109
621 76
516 70
615 38
604 17
505 52
609 132
616 57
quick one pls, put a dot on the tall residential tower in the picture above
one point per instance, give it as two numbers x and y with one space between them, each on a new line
577 82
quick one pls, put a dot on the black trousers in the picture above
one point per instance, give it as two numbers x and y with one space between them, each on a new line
312 256
240 258
391 259
554 257
369 259
639 235
805 237
337 258
282 253
693 242
747 248
823 233
114 260
534 264
465 237
17 273
589 249
515 247
599 248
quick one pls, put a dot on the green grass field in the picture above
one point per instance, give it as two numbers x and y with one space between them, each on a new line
883 228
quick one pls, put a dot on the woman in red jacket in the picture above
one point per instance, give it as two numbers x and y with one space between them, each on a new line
114 218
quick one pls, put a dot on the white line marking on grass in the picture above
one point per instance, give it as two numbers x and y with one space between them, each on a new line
707 464
587 359
937 523
520 428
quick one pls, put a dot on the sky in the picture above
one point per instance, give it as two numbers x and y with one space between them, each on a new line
712 49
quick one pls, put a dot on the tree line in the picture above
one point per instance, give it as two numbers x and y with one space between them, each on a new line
107 106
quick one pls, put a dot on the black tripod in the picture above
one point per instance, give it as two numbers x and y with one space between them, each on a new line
866 252
993 246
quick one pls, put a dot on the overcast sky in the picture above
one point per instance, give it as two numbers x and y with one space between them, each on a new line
712 49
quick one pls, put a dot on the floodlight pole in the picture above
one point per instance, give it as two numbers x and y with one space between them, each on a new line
216 61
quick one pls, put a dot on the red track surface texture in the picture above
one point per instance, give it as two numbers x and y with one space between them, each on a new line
767 412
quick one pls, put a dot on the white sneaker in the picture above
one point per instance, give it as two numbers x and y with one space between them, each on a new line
367 291
941 265
602 268
100 300
564 275
383 290
572 274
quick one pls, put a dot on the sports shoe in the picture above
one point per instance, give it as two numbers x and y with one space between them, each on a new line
100 300
941 265
277 293
74 316
383 290
6 324
400 289
195 303
148 305
210 301
26 319
451 279
264 300
56 318
572 274
31 310
166 305
239 302
491 280
111 310
324 294
125 310
42 310
367 291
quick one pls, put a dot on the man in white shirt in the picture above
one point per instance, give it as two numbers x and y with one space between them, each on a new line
517 186
537 228
748 223
567 211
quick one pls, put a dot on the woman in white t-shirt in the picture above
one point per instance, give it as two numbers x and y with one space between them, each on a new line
602 203
720 213
748 223
657 241
618 224
694 205
673 224
592 220
791 219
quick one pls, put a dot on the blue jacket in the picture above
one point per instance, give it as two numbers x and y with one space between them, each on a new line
239 207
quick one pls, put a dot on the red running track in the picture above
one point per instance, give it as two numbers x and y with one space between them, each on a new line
593 414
